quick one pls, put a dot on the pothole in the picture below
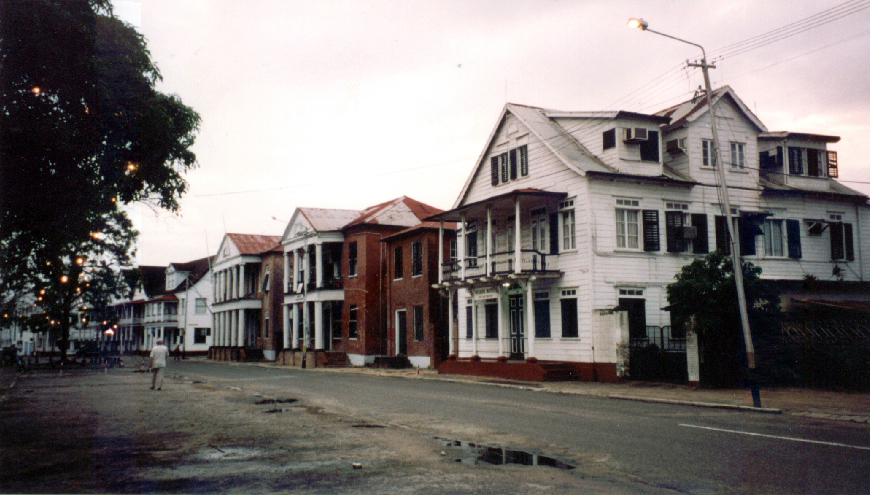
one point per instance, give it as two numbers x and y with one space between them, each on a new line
276 401
473 453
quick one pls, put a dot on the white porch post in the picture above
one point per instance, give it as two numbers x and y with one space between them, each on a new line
286 280
462 247
518 238
488 240
450 327
241 281
473 327
530 321
286 320
502 328
241 328
318 325
297 321
318 264
306 326
441 253
296 268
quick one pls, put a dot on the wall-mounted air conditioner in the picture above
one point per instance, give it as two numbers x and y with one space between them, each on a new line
635 135
690 232
676 146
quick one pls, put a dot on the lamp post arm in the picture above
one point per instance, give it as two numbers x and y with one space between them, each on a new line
703 53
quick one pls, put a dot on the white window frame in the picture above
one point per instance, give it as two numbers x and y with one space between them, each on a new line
708 157
774 241
738 155
567 226
628 229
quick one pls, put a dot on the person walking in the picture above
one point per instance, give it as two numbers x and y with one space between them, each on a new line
158 364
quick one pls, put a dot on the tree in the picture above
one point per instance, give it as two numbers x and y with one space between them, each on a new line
705 294
82 131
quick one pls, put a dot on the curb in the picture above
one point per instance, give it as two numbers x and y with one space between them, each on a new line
763 410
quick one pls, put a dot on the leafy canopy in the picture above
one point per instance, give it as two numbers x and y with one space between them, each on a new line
82 131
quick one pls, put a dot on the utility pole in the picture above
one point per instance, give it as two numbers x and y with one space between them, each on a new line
726 204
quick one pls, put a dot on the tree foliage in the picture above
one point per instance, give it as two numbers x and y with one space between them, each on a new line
705 292
83 130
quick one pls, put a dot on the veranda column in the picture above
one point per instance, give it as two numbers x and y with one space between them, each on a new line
318 325
286 316
318 263
450 327
488 270
295 268
502 328
518 238
306 326
241 328
473 328
441 252
241 280
462 247
297 317
530 322
286 280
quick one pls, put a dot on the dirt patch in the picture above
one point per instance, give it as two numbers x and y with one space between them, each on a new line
88 432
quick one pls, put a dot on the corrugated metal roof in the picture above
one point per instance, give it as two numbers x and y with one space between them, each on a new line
690 110
560 141
421 226
255 244
402 212
326 219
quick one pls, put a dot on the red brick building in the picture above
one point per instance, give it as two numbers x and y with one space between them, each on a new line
416 314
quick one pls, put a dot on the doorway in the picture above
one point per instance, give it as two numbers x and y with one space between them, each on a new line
401 332
517 326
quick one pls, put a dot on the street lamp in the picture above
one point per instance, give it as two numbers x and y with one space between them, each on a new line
641 24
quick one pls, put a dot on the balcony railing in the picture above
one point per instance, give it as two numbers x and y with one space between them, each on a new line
531 261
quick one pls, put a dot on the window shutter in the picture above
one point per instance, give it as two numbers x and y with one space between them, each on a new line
700 244
832 164
649 149
651 230
837 251
554 233
469 322
493 162
847 241
512 158
723 241
793 231
524 160
747 236
674 231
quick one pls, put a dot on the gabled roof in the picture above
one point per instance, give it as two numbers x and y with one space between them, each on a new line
197 269
401 212
153 279
325 219
567 149
255 244
690 110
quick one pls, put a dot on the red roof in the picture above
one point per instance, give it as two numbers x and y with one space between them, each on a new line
402 211
255 244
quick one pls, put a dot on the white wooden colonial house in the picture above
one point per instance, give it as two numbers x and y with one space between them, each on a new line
572 224
238 308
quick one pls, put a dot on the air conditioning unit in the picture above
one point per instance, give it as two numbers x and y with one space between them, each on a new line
635 135
690 233
676 146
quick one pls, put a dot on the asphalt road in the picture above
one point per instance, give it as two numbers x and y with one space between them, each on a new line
687 449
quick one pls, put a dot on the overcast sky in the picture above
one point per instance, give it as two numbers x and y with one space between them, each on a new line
348 104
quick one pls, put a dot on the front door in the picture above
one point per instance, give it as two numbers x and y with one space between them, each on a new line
401 332
517 324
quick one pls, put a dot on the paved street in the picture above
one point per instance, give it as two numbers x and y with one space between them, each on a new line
205 432
690 449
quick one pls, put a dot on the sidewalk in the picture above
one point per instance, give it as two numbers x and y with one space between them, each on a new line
822 404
